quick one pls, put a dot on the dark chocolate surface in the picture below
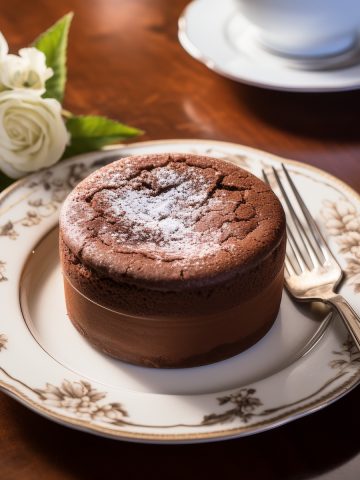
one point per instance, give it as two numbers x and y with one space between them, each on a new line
172 221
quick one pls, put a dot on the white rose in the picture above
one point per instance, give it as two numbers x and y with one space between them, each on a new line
26 71
32 132
3 47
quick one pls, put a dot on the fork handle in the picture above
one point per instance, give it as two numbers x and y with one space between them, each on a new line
348 315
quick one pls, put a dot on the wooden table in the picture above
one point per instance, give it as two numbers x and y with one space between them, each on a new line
125 62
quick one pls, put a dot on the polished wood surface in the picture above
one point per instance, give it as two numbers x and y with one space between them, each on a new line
125 62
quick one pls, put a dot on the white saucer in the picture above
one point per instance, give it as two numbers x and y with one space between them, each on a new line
301 365
215 33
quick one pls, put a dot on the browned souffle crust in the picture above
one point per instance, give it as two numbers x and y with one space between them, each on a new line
172 260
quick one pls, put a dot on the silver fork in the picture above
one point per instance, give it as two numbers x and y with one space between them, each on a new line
312 273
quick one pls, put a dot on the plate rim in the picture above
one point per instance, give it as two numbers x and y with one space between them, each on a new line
195 52
176 438
123 146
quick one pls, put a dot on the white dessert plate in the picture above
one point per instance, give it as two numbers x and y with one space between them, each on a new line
215 33
305 362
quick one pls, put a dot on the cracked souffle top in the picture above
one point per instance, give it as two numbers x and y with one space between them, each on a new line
171 220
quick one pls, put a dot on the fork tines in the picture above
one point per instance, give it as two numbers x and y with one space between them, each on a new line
308 249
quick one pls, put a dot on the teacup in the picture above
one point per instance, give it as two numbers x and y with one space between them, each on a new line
304 28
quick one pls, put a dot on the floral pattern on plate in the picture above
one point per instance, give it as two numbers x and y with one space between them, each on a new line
342 221
3 341
2 271
81 399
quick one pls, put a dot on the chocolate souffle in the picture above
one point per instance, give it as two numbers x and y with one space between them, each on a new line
172 260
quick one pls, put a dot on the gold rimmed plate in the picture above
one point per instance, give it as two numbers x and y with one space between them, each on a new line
48 366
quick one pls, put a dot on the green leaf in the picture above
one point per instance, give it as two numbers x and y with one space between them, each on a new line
5 181
53 43
92 132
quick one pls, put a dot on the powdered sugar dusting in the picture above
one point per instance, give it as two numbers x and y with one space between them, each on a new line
158 212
